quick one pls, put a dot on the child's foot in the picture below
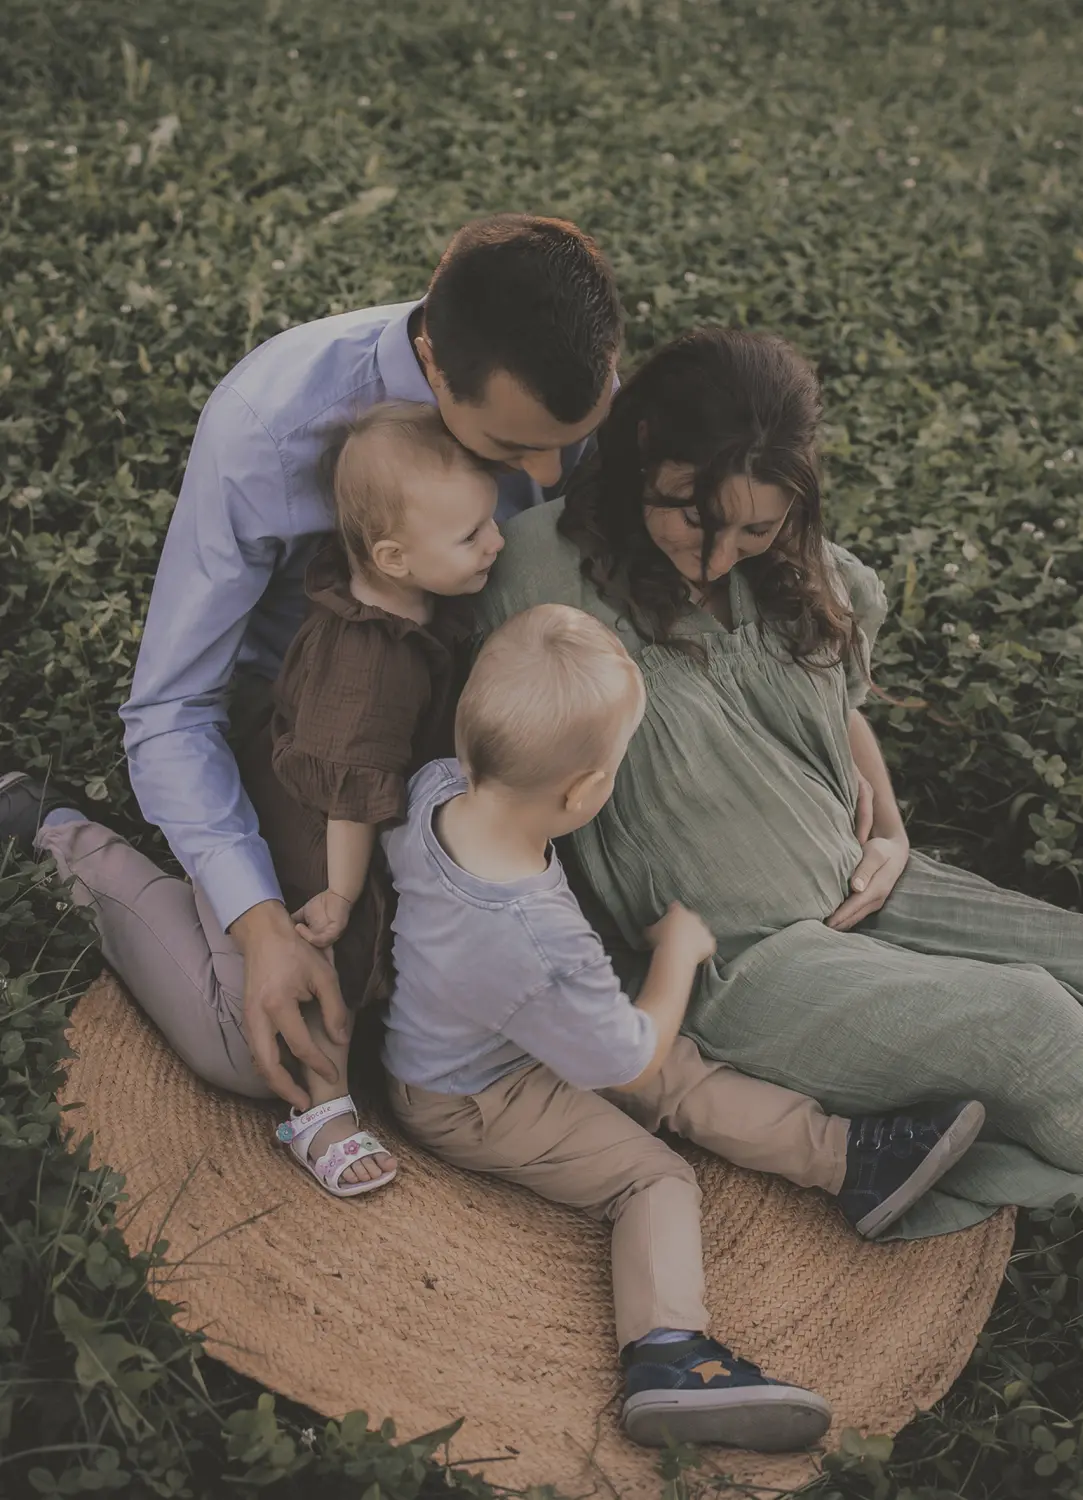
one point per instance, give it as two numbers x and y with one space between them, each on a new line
698 1391
326 1141
891 1160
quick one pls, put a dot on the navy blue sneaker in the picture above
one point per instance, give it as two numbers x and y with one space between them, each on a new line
23 804
891 1160
698 1391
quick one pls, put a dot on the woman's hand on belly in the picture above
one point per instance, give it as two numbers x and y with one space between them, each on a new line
882 862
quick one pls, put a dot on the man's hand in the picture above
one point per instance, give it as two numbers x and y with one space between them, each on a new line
323 919
882 862
281 972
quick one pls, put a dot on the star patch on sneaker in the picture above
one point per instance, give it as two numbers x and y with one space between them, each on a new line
710 1370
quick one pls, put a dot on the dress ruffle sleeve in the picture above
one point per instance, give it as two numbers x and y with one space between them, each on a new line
861 589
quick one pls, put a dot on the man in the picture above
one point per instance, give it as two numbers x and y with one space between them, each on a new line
516 343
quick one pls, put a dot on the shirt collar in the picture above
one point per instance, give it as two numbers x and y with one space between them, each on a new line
402 376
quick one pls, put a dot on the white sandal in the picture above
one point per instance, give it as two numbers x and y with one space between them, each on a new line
298 1130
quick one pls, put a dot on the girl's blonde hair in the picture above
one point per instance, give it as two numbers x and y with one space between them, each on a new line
372 463
544 699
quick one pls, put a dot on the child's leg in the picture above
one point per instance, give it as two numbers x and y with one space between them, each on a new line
573 1147
744 1120
320 1092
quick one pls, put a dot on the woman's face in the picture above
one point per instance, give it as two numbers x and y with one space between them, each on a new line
752 513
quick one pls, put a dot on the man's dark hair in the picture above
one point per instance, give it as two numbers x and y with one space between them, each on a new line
531 296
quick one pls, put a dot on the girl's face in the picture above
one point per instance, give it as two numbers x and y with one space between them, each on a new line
753 515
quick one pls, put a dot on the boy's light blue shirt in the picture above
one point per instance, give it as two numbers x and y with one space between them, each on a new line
491 977
229 588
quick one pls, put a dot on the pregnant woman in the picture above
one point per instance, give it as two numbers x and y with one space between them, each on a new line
848 967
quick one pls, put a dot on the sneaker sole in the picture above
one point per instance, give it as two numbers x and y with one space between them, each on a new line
762 1419
952 1145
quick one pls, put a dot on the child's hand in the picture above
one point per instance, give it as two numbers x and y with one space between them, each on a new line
682 930
323 919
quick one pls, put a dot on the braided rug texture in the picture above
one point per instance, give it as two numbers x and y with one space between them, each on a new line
446 1295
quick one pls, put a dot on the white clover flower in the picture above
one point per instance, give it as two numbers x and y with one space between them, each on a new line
308 1437
550 56
1068 455
171 307
911 130
691 278
71 150
364 101
21 148
278 265
1038 534
783 182
49 144
1049 464
735 143
643 308
951 569
1058 145
564 15
1028 527
948 629
125 307
165 263
909 182
913 161
518 93
293 54
973 639
1060 524
667 158
32 492
511 52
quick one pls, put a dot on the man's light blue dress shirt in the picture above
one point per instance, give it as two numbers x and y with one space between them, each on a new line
229 589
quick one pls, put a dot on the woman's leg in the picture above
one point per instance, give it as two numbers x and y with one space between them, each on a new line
863 1025
940 909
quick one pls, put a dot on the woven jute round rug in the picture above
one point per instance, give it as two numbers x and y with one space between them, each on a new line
447 1295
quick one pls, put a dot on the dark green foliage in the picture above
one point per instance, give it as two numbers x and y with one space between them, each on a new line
896 186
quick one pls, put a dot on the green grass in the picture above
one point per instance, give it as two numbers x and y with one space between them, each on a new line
896 187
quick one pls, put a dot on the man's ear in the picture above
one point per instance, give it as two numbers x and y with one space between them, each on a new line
388 556
580 789
423 350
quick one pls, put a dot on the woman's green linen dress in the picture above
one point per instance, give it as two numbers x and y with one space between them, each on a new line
737 797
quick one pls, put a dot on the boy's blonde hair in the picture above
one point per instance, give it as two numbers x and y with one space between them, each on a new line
543 699
377 454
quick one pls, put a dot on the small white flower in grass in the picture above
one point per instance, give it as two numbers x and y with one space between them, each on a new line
1028 527
667 158
913 161
1060 524
911 130
1077 109
278 265
21 148
691 278
1049 464
125 307
1039 534
735 143
550 56
1058 145
518 93
948 629
951 569
973 640
165 263
308 1437
1068 455
364 101
783 182
511 52
293 54
48 144
61 906
71 150
171 307
643 308
564 15
909 183
32 492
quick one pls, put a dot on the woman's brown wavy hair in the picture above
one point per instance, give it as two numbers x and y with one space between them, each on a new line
729 403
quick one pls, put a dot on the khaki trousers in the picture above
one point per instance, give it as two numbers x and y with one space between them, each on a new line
599 1153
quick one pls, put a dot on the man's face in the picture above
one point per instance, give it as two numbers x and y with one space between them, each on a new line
510 426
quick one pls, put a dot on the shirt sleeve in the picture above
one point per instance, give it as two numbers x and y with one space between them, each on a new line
218 558
583 1027
360 696
862 591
